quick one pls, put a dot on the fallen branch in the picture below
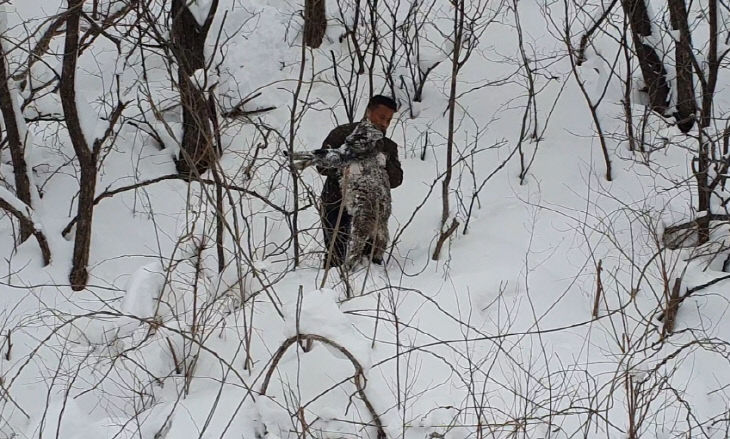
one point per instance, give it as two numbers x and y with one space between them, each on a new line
243 113
24 214
238 111
359 376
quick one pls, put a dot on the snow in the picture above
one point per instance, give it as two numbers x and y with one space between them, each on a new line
199 78
14 202
144 290
200 10
88 119
318 313
498 332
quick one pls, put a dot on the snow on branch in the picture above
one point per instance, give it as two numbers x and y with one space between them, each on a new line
200 10
24 214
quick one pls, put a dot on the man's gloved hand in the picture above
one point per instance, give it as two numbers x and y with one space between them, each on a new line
327 158
301 165
300 160
320 153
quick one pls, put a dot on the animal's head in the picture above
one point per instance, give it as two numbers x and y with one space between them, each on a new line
364 133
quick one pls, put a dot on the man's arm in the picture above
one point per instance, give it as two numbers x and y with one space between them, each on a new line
392 164
334 140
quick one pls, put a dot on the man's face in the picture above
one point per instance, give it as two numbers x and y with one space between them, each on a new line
380 116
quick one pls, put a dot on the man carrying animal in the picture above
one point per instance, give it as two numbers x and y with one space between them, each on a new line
361 166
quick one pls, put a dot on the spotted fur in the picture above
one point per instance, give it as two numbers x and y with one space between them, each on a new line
365 187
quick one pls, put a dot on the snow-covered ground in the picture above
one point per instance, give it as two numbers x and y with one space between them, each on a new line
495 339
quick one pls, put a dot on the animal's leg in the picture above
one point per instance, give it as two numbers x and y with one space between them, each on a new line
361 228
381 237
358 239
336 226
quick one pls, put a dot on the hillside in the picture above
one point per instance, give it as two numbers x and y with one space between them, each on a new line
568 300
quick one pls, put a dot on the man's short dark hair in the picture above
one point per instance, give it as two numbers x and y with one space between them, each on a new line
382 100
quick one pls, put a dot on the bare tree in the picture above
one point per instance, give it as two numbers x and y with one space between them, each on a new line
712 160
294 118
352 33
411 35
686 99
188 44
14 130
315 22
87 155
468 25
348 76
576 59
709 153
650 62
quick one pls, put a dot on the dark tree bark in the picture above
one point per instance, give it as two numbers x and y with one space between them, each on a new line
686 102
219 212
87 159
87 155
315 22
456 63
708 147
455 67
373 7
293 117
197 152
652 68
16 144
701 166
713 63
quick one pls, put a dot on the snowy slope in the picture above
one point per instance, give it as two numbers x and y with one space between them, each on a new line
496 339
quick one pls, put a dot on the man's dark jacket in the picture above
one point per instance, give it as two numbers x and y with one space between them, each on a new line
332 193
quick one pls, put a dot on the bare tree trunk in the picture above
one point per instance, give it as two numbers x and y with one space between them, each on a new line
702 165
87 160
373 7
217 178
87 156
188 42
686 104
713 63
628 84
458 34
82 244
445 184
353 38
652 68
294 222
315 22
15 142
